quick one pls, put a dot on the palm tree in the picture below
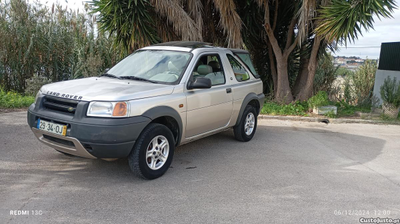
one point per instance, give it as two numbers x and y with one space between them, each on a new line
335 21
277 33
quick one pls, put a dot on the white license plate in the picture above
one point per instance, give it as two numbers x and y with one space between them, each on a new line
52 127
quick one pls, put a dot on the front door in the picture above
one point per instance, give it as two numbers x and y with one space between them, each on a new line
208 109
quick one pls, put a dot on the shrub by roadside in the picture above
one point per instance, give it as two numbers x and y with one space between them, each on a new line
303 108
296 108
347 110
14 100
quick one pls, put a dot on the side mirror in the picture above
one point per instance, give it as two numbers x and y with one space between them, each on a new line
106 70
200 83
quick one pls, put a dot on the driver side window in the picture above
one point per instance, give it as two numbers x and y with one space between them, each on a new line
209 66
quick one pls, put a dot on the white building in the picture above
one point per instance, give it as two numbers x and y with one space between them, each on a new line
389 65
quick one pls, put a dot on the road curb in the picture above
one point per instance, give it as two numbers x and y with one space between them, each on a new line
324 120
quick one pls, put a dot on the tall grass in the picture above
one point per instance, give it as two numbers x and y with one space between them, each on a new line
55 43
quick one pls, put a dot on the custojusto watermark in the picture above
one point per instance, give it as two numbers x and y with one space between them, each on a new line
378 220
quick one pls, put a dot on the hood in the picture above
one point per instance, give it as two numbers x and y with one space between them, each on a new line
105 89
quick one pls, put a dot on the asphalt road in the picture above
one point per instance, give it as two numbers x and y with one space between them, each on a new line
291 172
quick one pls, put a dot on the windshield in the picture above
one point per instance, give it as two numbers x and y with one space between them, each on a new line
153 65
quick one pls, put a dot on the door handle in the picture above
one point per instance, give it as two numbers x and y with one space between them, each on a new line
228 90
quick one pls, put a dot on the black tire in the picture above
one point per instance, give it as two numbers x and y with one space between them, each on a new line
239 130
137 159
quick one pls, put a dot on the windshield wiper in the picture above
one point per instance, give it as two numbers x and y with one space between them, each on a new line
110 75
137 78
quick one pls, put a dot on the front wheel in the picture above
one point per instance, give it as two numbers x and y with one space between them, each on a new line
247 126
153 151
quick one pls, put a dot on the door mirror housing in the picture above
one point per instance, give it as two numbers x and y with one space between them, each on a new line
200 83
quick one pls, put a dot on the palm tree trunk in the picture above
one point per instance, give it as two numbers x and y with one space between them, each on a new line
272 66
302 75
283 92
307 91
282 89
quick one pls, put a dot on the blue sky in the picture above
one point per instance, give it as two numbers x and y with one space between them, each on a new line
368 45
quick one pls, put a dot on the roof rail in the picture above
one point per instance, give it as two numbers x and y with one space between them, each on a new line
188 44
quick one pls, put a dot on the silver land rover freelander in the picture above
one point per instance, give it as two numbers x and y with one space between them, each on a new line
155 99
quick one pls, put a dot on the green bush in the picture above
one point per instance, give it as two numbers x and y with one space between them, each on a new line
35 83
320 99
359 85
296 108
345 109
390 91
325 74
331 114
14 100
342 71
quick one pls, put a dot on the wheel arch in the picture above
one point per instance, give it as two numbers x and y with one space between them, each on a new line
169 117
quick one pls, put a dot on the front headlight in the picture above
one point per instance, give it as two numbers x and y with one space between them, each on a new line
108 109
37 95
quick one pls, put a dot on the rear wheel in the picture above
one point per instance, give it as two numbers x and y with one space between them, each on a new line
153 152
247 126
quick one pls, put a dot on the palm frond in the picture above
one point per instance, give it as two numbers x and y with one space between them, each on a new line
131 20
182 23
195 8
306 13
230 22
334 26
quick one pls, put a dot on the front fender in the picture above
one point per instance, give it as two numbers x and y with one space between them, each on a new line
162 111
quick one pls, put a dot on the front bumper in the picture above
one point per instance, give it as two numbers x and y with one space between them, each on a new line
88 137
76 148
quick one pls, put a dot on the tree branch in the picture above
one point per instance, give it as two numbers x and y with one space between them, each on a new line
274 42
266 12
291 48
276 15
271 36
290 32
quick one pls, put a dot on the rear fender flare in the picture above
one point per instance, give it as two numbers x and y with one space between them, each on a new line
246 101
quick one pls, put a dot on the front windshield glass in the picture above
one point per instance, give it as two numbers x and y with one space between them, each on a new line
154 65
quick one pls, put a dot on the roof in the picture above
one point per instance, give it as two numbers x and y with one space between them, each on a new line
188 46
238 51
389 58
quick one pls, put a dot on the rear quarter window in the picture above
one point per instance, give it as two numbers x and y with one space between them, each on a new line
239 70
247 60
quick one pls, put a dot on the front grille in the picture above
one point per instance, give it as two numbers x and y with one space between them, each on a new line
63 105
59 141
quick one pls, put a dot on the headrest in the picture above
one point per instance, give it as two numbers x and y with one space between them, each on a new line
204 69
199 63
215 66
